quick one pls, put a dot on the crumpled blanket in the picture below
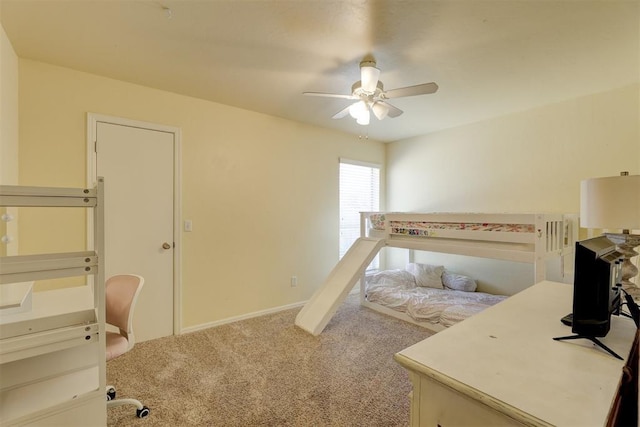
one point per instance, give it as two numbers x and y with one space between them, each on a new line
440 306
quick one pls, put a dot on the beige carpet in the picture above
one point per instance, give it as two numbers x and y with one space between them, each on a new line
267 372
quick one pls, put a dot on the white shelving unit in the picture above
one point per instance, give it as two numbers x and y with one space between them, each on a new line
52 349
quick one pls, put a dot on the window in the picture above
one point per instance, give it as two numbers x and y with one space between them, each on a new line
359 191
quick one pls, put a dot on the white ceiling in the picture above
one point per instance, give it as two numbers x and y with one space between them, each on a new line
488 57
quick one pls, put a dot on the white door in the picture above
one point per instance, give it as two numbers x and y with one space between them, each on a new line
138 167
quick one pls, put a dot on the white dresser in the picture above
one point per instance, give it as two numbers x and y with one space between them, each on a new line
502 367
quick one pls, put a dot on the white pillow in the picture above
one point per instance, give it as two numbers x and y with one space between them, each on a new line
393 278
458 282
427 276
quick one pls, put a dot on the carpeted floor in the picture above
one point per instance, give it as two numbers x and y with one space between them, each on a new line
267 372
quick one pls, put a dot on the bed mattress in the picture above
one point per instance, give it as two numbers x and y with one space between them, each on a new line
439 306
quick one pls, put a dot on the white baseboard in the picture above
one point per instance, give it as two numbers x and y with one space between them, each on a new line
241 317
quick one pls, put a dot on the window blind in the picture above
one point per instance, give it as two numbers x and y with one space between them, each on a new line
359 191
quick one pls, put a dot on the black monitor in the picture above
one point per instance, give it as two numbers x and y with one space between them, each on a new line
596 290
596 286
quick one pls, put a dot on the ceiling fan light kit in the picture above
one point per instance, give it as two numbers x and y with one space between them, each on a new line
358 109
370 95
380 110
364 118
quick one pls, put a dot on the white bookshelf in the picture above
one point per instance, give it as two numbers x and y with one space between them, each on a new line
52 343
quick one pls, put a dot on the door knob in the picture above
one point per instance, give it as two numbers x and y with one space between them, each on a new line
166 245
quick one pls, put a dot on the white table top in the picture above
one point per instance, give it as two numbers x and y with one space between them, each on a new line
51 309
506 357
13 295
54 302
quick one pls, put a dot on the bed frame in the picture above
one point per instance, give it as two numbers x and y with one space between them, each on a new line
528 238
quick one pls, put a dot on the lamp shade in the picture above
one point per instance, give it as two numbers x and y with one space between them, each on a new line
364 118
380 109
369 76
610 202
358 109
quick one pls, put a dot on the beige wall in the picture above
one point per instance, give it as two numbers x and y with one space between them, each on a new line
262 192
531 161
522 162
8 111
8 133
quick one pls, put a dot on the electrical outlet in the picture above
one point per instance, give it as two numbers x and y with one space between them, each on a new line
294 281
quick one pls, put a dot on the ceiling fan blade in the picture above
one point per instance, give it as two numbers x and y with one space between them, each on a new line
369 76
330 95
393 111
342 113
423 89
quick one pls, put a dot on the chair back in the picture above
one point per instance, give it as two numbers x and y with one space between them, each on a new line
121 296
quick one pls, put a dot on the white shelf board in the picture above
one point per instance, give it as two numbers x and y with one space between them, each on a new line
15 297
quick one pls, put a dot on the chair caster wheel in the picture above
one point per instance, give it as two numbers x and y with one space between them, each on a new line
142 413
111 394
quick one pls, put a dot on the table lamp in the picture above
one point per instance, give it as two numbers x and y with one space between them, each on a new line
613 203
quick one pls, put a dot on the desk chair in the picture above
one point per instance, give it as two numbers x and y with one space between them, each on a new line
120 300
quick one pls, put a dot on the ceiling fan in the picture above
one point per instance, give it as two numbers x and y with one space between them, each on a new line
370 95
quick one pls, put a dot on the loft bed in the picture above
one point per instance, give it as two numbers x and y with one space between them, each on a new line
545 240
537 239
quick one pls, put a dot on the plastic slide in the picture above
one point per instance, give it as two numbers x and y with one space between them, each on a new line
317 312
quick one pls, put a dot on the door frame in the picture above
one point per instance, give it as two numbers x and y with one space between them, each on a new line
92 122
